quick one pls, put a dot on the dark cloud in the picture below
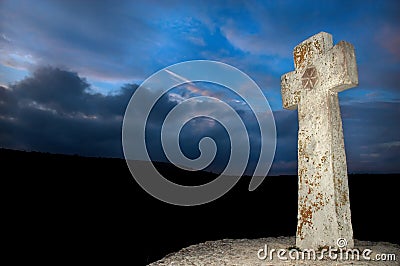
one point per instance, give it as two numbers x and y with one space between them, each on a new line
198 128
285 161
54 111
371 136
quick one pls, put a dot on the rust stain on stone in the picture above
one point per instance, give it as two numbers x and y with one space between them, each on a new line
318 176
301 147
318 47
305 219
296 97
300 54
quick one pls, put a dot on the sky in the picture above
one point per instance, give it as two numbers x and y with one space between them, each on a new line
69 68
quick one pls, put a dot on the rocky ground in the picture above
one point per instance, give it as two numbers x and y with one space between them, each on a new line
246 252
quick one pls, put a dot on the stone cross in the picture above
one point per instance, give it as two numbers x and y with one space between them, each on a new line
321 71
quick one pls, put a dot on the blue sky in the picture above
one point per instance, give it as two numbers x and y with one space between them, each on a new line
70 67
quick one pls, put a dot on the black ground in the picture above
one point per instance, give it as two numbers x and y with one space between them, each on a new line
74 208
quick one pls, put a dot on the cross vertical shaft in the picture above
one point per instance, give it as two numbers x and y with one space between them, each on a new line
321 71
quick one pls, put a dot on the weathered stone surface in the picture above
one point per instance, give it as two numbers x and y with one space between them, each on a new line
321 71
243 252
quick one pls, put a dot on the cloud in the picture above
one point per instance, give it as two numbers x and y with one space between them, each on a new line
103 41
371 137
116 44
56 109
389 39
53 111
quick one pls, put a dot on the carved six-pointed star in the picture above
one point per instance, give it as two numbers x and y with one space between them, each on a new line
309 78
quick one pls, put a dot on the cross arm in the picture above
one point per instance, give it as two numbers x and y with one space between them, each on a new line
339 68
290 89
